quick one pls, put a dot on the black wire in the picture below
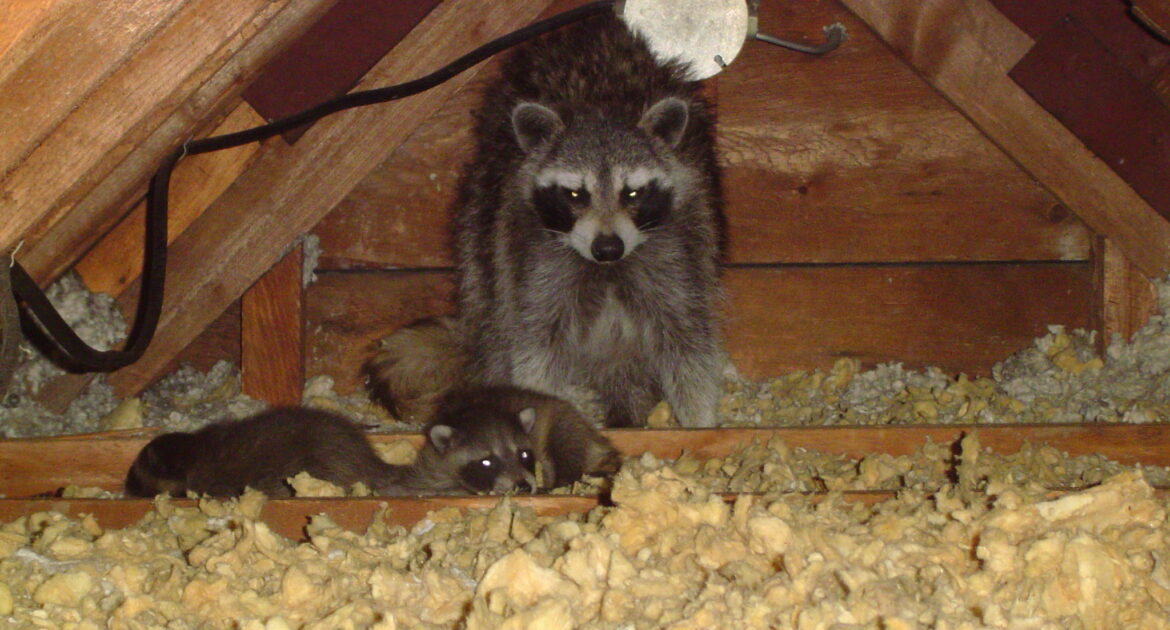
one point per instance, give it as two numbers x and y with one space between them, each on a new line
80 356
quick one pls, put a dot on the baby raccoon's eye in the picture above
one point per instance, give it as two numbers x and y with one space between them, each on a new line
527 459
480 474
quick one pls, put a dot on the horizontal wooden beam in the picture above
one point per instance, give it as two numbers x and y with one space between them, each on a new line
38 465
965 49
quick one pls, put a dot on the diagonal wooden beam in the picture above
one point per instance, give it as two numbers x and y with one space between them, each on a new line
965 49
288 189
76 181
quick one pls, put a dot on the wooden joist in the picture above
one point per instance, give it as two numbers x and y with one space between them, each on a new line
100 460
37 465
965 49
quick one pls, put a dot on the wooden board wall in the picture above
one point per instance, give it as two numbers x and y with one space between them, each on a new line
867 218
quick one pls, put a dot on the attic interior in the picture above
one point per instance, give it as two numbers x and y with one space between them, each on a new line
953 180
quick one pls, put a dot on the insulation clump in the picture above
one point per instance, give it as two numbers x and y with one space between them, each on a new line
668 554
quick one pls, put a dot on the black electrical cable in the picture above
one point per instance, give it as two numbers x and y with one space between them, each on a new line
79 356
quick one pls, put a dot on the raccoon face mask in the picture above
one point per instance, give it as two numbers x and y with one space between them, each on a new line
605 187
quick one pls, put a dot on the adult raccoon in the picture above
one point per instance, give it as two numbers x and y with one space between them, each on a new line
589 227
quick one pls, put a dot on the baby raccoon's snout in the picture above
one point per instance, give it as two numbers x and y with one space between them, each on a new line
520 481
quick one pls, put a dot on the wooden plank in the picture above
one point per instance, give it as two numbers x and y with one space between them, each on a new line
38 465
71 192
399 214
965 48
50 72
273 334
348 312
852 157
288 517
1073 76
872 165
220 341
1127 297
332 56
116 260
289 189
958 317
101 128
18 22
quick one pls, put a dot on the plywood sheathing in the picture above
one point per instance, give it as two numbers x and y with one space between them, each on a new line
100 92
965 49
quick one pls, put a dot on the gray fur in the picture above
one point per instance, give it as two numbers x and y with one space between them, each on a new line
589 108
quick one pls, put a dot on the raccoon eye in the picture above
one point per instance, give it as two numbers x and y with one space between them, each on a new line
527 460
576 196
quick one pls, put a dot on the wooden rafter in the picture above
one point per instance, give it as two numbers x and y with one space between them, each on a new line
287 190
965 49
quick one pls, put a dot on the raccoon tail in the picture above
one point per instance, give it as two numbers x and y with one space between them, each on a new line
416 365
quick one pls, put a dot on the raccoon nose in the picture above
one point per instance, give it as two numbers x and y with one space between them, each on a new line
607 248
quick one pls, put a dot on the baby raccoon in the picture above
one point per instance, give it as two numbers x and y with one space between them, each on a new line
588 228
492 429
260 452
476 444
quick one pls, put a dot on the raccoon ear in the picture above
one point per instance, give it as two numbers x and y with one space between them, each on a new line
666 120
528 419
533 124
441 437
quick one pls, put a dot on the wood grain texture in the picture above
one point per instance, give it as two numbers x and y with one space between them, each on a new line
272 339
220 341
1127 297
965 48
845 158
349 312
399 215
852 157
37 465
962 318
289 189
958 318
116 260
49 72
94 166
1075 78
